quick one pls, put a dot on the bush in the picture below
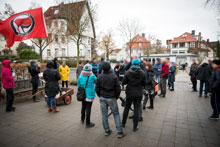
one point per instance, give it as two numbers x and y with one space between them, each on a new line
8 57
28 54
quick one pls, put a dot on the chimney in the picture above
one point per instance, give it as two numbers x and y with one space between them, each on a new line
143 35
193 32
207 40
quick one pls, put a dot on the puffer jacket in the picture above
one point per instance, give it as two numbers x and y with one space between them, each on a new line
108 85
90 90
135 80
34 71
7 78
149 74
64 73
215 80
204 72
51 76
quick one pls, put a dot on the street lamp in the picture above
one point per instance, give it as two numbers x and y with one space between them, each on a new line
106 52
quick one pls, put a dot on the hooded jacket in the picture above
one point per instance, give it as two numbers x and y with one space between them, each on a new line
204 72
165 70
156 68
172 71
135 80
149 74
51 76
64 72
7 78
34 71
215 80
107 84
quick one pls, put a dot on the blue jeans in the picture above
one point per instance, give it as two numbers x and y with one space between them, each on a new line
157 78
51 101
112 103
202 82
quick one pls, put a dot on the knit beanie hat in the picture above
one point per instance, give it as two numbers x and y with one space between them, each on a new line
87 68
217 62
135 62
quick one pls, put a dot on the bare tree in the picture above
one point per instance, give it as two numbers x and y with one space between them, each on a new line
7 12
107 44
80 18
213 3
129 29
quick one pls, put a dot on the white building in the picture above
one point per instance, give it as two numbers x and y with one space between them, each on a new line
63 46
4 49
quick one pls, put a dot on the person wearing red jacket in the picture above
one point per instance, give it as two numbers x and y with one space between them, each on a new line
164 77
8 84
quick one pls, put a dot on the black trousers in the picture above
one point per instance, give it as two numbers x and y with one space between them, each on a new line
146 97
63 82
194 83
163 86
215 103
136 100
35 83
9 98
86 111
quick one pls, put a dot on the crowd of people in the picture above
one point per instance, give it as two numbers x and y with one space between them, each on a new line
209 76
141 78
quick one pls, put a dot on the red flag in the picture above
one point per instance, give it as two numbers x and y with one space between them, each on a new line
24 25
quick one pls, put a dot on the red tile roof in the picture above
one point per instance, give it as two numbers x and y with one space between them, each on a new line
186 37
145 44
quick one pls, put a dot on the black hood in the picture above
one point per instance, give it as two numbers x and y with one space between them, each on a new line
204 64
106 66
135 72
50 64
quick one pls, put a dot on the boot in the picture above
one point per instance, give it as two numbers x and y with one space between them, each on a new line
55 110
50 109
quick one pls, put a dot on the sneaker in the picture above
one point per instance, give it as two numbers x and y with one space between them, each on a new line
171 89
214 117
107 133
140 119
144 107
90 125
135 129
36 100
121 134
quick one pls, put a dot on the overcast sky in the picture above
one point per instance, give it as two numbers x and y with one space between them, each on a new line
163 18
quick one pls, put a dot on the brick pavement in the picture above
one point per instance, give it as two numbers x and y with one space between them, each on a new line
180 119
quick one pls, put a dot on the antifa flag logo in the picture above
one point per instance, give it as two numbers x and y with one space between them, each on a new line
22 24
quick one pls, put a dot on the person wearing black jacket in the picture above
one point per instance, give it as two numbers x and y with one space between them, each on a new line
204 75
192 74
55 63
149 88
135 80
34 70
108 89
215 89
51 76
100 65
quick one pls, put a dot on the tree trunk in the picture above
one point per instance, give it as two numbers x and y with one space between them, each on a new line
41 58
130 54
78 51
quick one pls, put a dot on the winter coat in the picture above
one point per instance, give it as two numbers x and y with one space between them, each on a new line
165 70
116 70
121 70
128 66
108 85
135 80
90 90
7 78
149 74
34 71
100 66
51 76
193 70
156 68
215 80
64 73
204 72
79 70
172 71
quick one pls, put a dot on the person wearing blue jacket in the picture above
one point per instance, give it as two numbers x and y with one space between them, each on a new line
90 93
95 67
171 78
157 70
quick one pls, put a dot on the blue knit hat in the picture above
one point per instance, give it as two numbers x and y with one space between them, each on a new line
136 62
87 67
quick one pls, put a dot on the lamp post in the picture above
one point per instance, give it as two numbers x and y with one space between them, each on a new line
106 52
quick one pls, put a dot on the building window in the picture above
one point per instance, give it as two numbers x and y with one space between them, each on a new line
63 52
175 45
56 52
181 52
192 44
174 52
140 44
182 44
56 38
56 12
183 38
63 39
48 53
49 36
56 23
